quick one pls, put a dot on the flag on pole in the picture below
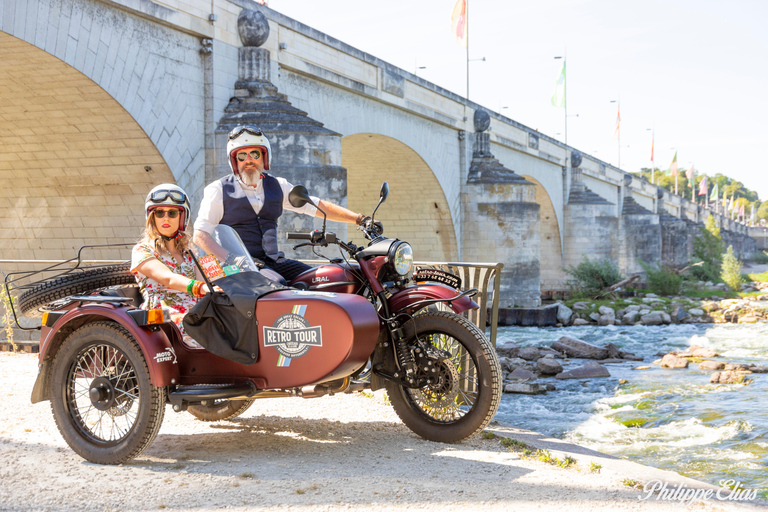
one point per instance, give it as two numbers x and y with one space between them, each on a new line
689 172
618 120
715 195
459 22
703 187
673 165
730 205
741 211
652 137
558 98
725 199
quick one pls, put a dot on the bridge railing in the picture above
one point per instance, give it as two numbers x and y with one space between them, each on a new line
483 276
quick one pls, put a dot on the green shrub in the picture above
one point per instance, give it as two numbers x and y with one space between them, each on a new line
759 257
708 248
590 277
731 270
662 280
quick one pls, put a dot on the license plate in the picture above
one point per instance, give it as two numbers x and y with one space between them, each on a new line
437 276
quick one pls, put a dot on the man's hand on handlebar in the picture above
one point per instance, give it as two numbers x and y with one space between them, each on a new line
372 225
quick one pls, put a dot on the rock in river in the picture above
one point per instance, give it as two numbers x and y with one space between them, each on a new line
548 366
590 370
672 361
574 347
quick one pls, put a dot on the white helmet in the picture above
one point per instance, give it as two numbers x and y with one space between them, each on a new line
247 136
168 194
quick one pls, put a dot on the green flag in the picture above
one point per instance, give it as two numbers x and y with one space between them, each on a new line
715 193
558 98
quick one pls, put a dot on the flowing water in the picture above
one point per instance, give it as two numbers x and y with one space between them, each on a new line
669 419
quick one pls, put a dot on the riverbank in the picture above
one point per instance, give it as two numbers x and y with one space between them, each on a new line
347 452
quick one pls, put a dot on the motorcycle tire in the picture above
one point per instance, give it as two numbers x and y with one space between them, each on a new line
102 399
32 302
466 391
220 410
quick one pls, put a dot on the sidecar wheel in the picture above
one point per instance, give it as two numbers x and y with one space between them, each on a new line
220 410
466 388
103 402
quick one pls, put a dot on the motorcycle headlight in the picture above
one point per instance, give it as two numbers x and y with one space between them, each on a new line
401 256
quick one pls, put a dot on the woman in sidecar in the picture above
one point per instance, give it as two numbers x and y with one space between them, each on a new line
160 262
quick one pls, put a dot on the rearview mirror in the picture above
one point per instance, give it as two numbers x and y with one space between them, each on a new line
298 196
384 191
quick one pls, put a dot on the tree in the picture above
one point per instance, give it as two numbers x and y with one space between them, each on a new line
708 248
731 270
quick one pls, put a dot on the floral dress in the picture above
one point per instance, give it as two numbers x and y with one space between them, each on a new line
155 294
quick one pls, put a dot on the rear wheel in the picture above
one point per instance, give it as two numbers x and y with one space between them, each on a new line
103 402
218 410
464 390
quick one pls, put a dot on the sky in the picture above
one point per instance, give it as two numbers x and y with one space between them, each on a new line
692 75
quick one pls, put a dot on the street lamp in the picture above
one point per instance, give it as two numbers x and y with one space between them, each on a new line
618 123
653 166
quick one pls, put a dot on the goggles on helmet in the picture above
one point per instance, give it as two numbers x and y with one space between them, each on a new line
239 130
176 196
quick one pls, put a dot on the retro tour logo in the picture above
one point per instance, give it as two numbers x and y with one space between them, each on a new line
292 335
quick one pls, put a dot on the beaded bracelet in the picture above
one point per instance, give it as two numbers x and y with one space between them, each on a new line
190 286
197 290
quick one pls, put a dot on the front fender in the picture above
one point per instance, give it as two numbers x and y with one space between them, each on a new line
163 371
405 301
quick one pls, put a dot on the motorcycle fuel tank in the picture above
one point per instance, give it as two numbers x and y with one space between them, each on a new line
330 278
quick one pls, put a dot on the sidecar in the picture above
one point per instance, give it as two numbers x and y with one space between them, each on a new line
110 367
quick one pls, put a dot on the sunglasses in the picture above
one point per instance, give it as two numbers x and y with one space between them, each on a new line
239 130
172 214
161 195
255 154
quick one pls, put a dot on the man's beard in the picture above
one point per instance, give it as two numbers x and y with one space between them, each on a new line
250 176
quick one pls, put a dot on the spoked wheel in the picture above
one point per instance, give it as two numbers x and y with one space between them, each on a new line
218 410
103 402
464 387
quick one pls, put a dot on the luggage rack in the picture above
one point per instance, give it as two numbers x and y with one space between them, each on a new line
16 283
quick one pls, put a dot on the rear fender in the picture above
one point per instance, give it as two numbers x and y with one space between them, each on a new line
405 301
157 349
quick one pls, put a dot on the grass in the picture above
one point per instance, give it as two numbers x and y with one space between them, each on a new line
488 435
631 482
594 467
759 278
246 475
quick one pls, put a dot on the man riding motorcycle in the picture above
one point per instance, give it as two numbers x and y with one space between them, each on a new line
251 201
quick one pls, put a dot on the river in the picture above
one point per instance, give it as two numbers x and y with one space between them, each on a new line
669 419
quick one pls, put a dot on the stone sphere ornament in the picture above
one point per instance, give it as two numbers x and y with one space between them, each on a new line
253 27
482 120
575 159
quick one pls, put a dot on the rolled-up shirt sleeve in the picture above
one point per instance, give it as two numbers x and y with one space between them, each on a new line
307 209
211 208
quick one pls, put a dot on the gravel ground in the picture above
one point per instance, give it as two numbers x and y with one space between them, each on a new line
346 452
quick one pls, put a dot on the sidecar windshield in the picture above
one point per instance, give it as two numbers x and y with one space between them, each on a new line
222 253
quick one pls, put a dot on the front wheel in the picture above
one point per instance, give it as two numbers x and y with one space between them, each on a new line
465 390
103 402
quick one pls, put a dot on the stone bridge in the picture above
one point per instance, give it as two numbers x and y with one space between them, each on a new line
103 99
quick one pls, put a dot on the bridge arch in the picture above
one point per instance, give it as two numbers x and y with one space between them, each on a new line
416 209
73 161
551 260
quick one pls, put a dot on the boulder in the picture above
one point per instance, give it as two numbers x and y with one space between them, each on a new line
644 311
651 295
652 300
758 369
595 316
672 361
605 310
529 353
727 377
591 370
711 365
507 349
548 366
652 318
580 321
522 375
525 388
574 347
703 352
679 314
633 307
641 368
613 351
578 306
738 367
696 312
666 318
607 319
630 318
748 319
564 314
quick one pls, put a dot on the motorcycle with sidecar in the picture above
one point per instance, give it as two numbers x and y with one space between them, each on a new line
362 321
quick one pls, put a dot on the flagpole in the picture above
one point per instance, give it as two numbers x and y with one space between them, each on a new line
565 95
467 22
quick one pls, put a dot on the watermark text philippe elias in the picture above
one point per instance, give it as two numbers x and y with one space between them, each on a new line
730 490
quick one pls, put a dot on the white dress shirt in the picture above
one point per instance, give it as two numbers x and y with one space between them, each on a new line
212 207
